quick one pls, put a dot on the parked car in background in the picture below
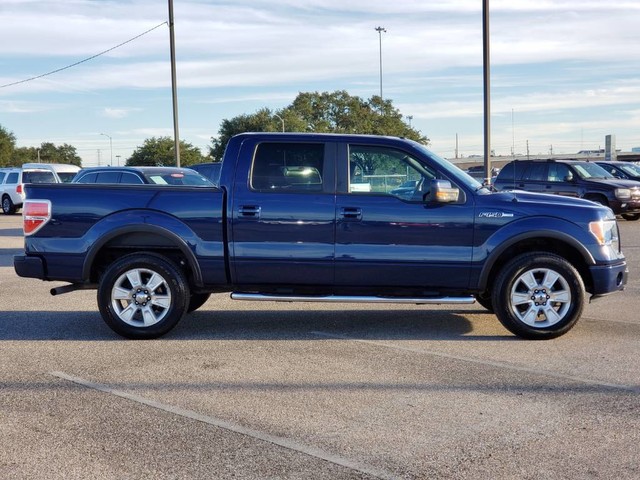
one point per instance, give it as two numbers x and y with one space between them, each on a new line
141 175
62 172
209 170
12 183
573 178
627 170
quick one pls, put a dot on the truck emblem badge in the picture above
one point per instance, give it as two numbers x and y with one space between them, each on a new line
494 215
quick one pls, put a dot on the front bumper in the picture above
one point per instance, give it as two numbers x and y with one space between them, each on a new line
29 266
609 278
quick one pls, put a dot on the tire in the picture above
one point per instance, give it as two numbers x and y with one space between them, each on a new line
538 296
632 217
8 208
142 296
484 299
197 300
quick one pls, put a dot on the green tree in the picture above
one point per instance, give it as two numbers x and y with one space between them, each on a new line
160 151
49 153
24 155
327 112
7 146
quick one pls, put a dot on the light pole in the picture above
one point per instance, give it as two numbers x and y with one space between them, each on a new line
118 160
110 147
281 119
380 30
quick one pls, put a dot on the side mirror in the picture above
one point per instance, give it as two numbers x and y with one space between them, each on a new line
568 178
442 192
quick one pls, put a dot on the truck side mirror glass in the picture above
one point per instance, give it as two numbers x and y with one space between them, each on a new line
568 178
442 192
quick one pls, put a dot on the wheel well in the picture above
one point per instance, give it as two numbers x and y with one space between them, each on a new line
598 198
138 242
550 245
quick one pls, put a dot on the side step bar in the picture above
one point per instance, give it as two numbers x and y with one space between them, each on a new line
256 297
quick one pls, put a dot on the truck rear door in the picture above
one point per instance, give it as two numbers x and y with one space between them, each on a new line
283 214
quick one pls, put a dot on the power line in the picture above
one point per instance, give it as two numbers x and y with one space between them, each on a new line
82 61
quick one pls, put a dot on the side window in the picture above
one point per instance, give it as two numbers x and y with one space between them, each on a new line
130 178
12 178
108 177
2 175
536 172
558 172
288 167
387 171
88 178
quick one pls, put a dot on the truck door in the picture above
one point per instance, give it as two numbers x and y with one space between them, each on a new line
387 236
283 214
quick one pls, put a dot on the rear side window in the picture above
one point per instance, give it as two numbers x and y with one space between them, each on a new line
512 171
12 178
288 167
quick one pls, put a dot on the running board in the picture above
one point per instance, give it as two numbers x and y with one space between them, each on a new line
256 297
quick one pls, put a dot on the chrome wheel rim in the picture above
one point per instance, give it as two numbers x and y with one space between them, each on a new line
141 297
540 297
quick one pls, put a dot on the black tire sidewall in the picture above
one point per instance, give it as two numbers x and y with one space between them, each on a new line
504 283
175 279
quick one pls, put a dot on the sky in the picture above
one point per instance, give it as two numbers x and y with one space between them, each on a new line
564 73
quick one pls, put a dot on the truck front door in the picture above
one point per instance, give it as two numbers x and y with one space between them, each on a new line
387 236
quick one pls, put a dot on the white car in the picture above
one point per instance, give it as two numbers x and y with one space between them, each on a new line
12 183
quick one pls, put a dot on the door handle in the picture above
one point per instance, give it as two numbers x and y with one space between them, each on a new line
351 213
249 211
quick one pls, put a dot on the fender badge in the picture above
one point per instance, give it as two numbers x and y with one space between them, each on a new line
494 215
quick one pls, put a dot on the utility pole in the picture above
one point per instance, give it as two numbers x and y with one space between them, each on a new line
487 91
380 30
174 93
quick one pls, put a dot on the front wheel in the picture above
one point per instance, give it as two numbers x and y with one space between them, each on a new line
142 296
631 216
538 296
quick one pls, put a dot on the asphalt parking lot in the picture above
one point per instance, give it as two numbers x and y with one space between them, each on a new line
308 391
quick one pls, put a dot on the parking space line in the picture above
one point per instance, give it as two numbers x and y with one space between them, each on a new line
220 423
490 363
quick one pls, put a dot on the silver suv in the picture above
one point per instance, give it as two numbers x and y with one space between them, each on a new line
13 180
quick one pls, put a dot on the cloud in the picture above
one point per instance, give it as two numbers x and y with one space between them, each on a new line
110 112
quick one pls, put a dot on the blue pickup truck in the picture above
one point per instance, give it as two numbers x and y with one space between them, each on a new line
321 218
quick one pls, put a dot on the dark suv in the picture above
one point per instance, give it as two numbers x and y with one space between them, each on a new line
573 178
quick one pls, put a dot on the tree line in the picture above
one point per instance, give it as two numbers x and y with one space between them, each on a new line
312 112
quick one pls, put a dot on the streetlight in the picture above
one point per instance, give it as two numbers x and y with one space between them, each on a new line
118 160
380 30
110 146
281 119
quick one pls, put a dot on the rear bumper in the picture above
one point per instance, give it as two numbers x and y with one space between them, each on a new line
609 278
29 266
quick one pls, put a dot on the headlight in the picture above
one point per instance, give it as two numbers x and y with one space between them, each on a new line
623 193
606 233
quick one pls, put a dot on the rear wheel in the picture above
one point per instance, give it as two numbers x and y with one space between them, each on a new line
142 296
8 208
631 216
538 296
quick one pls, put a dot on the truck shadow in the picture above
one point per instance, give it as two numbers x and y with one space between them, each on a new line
258 325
